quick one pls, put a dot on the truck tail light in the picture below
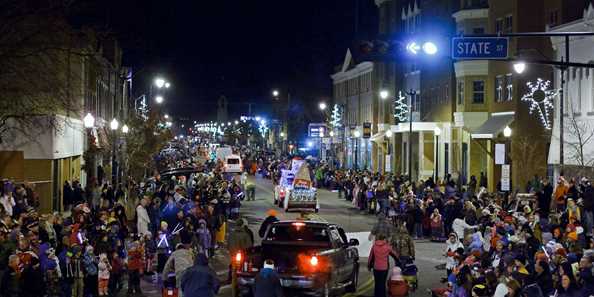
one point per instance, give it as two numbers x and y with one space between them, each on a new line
313 261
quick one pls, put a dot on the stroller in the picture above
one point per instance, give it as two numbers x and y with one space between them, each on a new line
397 286
409 273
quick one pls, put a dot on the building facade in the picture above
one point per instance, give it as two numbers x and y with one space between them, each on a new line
94 82
578 150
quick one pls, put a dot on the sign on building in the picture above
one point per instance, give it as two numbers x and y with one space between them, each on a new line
505 177
317 130
499 153
479 48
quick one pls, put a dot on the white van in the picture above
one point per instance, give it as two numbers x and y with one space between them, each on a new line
233 164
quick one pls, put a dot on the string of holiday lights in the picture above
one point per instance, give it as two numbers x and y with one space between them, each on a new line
540 97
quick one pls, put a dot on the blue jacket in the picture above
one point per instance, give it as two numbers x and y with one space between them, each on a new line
199 280
267 284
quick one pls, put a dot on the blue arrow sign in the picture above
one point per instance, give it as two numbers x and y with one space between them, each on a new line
479 48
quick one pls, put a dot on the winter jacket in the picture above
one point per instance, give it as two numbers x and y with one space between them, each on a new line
34 286
477 242
459 225
89 264
403 243
267 284
11 283
378 256
179 261
144 220
239 240
450 251
588 198
199 280
269 220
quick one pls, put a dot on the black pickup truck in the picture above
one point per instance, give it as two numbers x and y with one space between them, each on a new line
311 258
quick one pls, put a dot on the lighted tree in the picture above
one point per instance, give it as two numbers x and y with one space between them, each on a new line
336 116
400 108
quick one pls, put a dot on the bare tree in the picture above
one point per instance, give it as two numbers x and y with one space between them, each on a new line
41 62
581 136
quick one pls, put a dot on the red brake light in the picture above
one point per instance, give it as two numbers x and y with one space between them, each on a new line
298 224
313 261
238 257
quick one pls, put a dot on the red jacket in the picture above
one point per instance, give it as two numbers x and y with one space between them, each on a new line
379 255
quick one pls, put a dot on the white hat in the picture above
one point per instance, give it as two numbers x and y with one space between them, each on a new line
269 266
501 290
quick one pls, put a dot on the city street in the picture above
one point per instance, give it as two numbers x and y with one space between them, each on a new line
355 223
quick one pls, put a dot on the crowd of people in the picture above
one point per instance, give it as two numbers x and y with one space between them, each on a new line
501 244
108 235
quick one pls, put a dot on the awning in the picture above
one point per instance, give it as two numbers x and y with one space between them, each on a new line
378 137
494 125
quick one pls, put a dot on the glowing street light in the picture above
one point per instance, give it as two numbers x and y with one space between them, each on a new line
507 132
389 133
236 122
114 124
437 131
166 116
309 143
159 82
167 85
282 134
275 93
519 67
429 48
322 106
258 119
384 94
159 99
357 134
125 129
89 120
331 133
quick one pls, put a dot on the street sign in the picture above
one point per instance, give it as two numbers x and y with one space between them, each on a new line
505 177
366 130
317 130
479 48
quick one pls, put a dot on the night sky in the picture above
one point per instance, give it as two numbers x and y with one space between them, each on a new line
240 49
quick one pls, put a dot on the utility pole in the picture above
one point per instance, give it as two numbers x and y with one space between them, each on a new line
412 95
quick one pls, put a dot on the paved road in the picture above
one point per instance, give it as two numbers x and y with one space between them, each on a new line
356 224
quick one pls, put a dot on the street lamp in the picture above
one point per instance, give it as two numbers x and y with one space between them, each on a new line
322 106
167 85
236 122
114 124
159 82
282 134
519 67
384 94
389 133
507 132
166 116
275 93
437 132
125 129
89 120
331 133
159 99
357 134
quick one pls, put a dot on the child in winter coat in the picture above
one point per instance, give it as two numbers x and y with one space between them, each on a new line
103 275
204 238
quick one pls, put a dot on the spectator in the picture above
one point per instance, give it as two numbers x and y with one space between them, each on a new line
199 279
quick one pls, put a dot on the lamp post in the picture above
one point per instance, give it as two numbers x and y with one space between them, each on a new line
437 132
357 134
507 133
114 127
412 95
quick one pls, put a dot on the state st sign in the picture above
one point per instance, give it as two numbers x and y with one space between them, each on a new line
479 48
